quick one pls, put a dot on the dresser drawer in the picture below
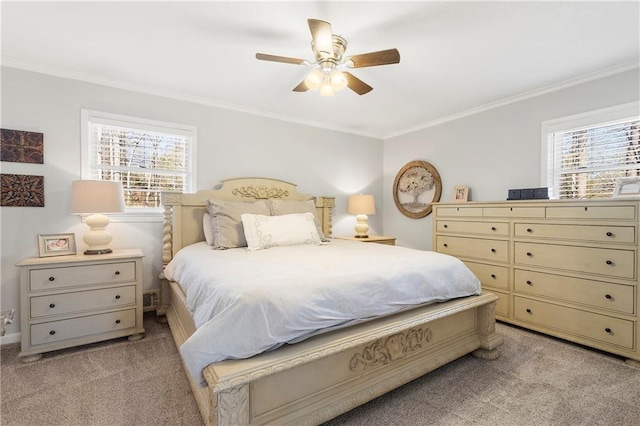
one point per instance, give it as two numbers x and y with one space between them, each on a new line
460 211
54 331
595 233
65 303
592 212
610 262
502 304
598 294
495 250
514 211
490 275
614 331
105 273
500 229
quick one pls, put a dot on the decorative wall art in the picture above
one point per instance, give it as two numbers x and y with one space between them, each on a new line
21 190
19 146
417 185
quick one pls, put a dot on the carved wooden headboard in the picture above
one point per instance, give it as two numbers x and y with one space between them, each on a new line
183 212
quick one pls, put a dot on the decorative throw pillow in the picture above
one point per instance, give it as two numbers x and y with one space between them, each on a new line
280 207
263 232
207 227
227 222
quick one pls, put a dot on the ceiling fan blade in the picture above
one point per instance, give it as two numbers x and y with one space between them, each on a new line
357 85
322 37
274 58
383 57
302 87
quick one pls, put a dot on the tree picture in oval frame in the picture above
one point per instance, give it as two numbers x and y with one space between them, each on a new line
416 187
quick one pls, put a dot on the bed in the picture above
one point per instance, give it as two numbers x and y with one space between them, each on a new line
323 376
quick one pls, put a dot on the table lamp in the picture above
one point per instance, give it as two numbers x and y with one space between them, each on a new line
95 197
361 206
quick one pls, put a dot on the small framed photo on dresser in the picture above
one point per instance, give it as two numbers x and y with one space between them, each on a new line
461 194
56 244
627 187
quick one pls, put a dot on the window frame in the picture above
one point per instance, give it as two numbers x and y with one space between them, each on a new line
602 116
135 214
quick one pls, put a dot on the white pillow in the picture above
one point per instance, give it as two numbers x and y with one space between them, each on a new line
263 231
207 226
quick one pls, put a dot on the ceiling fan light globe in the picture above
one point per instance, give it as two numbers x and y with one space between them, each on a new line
314 79
338 80
326 88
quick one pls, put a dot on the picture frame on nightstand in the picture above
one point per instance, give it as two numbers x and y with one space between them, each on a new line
56 244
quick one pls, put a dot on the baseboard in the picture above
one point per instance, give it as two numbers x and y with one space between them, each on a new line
10 338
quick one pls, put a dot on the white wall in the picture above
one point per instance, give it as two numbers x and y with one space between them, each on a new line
230 144
491 151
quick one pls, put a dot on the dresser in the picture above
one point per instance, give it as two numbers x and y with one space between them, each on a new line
78 299
565 268
391 241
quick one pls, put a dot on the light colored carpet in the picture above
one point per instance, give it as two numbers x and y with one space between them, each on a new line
536 381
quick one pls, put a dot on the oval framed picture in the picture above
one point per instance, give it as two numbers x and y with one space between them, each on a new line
417 185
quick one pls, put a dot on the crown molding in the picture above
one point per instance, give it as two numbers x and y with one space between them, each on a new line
617 69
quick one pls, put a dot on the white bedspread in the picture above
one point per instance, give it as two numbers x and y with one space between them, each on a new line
246 302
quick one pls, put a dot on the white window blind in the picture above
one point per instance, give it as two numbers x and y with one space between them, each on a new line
147 157
585 161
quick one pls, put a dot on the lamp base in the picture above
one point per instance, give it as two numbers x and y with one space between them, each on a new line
102 251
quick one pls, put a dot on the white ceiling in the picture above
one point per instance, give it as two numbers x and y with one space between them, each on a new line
456 57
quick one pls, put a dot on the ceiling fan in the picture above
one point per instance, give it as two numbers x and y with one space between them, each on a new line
329 52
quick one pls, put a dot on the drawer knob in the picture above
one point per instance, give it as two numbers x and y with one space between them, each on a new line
608 296
529 254
529 282
493 276
117 296
117 272
608 330
52 305
528 310
117 321
493 250
446 226
609 262
529 230
445 244
609 234
52 279
52 332
493 228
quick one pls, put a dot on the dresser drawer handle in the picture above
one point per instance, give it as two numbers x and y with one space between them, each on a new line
528 310
52 279
52 305
117 272
609 262
117 296
608 330
493 250
445 244
608 296
493 228
117 321
529 230
609 234
529 254
493 276
52 332
529 282
446 226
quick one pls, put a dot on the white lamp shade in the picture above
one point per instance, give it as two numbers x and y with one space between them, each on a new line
97 196
362 204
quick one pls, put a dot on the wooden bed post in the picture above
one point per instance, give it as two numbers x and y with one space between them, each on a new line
489 339
168 200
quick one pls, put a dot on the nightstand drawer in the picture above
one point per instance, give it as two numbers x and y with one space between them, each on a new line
490 275
54 331
106 273
601 261
581 323
495 250
499 229
598 294
58 304
595 233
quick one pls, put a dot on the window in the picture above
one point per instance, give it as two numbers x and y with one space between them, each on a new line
148 157
583 155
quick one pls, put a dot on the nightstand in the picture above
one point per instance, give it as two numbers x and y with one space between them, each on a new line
391 241
78 299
